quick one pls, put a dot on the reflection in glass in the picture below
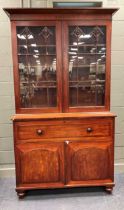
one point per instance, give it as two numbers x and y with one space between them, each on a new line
37 66
87 59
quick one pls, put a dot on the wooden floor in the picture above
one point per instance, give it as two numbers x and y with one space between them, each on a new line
69 199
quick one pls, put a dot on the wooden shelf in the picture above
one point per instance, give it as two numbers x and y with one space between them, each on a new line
38 81
80 81
87 45
36 54
88 65
22 45
87 54
35 66
44 86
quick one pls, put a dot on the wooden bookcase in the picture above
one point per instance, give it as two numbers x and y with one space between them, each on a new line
63 128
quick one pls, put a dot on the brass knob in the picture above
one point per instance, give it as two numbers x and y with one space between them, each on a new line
39 132
89 130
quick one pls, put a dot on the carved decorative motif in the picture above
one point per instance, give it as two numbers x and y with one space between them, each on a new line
45 33
77 32
96 33
26 33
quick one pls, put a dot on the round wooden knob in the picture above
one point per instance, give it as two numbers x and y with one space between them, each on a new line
89 130
39 132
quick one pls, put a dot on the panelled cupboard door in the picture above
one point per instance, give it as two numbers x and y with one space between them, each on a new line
41 163
86 65
88 162
37 66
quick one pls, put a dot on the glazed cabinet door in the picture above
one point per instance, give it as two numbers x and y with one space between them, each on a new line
88 162
41 163
86 63
37 66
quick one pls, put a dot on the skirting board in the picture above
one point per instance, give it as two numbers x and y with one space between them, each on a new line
9 170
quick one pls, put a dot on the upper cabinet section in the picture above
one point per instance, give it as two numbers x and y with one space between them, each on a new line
37 66
61 59
36 47
87 65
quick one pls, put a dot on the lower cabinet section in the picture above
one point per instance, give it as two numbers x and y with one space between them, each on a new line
40 163
88 162
49 161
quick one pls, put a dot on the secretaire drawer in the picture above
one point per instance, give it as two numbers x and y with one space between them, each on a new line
63 130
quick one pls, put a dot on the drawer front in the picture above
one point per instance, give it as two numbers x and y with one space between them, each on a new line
34 130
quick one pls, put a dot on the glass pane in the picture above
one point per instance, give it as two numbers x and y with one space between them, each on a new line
87 61
37 66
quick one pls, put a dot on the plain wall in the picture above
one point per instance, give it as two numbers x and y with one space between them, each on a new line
7 107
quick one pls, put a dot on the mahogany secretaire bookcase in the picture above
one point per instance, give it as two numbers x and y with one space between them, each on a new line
63 128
